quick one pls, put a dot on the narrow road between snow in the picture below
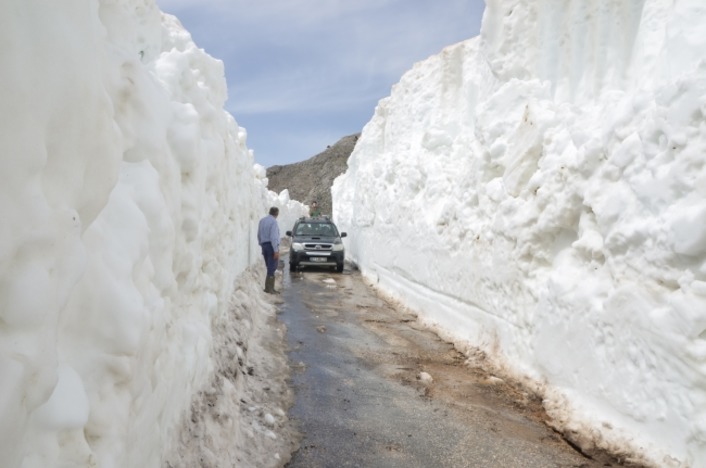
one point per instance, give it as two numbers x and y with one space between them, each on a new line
373 388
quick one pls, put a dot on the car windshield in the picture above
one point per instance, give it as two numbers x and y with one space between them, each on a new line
316 229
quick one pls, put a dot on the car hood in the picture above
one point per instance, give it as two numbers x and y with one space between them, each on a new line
314 239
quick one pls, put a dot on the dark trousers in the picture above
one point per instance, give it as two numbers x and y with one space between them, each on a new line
269 253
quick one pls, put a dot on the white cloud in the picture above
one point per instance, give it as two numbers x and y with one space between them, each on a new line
297 14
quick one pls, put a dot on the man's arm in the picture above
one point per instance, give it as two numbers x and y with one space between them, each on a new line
275 238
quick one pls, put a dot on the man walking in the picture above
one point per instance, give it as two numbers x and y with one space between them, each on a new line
268 238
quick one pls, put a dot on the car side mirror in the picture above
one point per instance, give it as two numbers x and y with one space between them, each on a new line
343 234
289 233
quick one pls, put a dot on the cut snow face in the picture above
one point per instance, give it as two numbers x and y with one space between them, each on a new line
129 203
538 192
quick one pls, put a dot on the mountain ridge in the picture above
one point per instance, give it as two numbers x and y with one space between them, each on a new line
312 178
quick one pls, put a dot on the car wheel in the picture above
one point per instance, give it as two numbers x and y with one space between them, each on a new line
292 266
339 268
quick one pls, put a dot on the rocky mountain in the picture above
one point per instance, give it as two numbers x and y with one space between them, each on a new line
312 179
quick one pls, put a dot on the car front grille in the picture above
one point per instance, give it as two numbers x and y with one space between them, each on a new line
318 247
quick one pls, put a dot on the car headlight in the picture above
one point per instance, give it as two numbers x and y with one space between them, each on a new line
297 246
338 245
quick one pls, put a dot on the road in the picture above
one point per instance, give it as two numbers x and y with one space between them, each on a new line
362 398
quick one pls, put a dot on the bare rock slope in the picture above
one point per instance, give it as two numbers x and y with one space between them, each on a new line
312 179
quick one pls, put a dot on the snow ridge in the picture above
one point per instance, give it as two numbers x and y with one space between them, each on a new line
129 203
539 191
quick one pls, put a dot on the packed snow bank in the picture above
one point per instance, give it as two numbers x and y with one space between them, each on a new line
129 204
240 417
538 192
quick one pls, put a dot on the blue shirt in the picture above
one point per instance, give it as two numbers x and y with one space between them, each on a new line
268 231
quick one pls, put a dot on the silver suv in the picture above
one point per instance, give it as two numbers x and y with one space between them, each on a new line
316 242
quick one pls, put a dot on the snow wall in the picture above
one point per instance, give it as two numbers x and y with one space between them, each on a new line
129 207
539 192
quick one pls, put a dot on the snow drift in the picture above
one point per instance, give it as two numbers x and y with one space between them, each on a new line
539 192
129 201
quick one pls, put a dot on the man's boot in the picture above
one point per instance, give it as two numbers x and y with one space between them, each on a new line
272 285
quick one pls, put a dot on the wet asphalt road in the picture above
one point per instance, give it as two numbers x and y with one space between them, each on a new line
359 401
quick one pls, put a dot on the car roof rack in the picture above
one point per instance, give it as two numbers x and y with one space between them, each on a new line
313 218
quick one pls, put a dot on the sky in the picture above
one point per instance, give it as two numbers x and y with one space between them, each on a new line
301 75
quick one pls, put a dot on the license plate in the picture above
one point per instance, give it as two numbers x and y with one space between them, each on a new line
318 259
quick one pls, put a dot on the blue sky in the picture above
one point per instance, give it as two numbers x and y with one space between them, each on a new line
304 73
